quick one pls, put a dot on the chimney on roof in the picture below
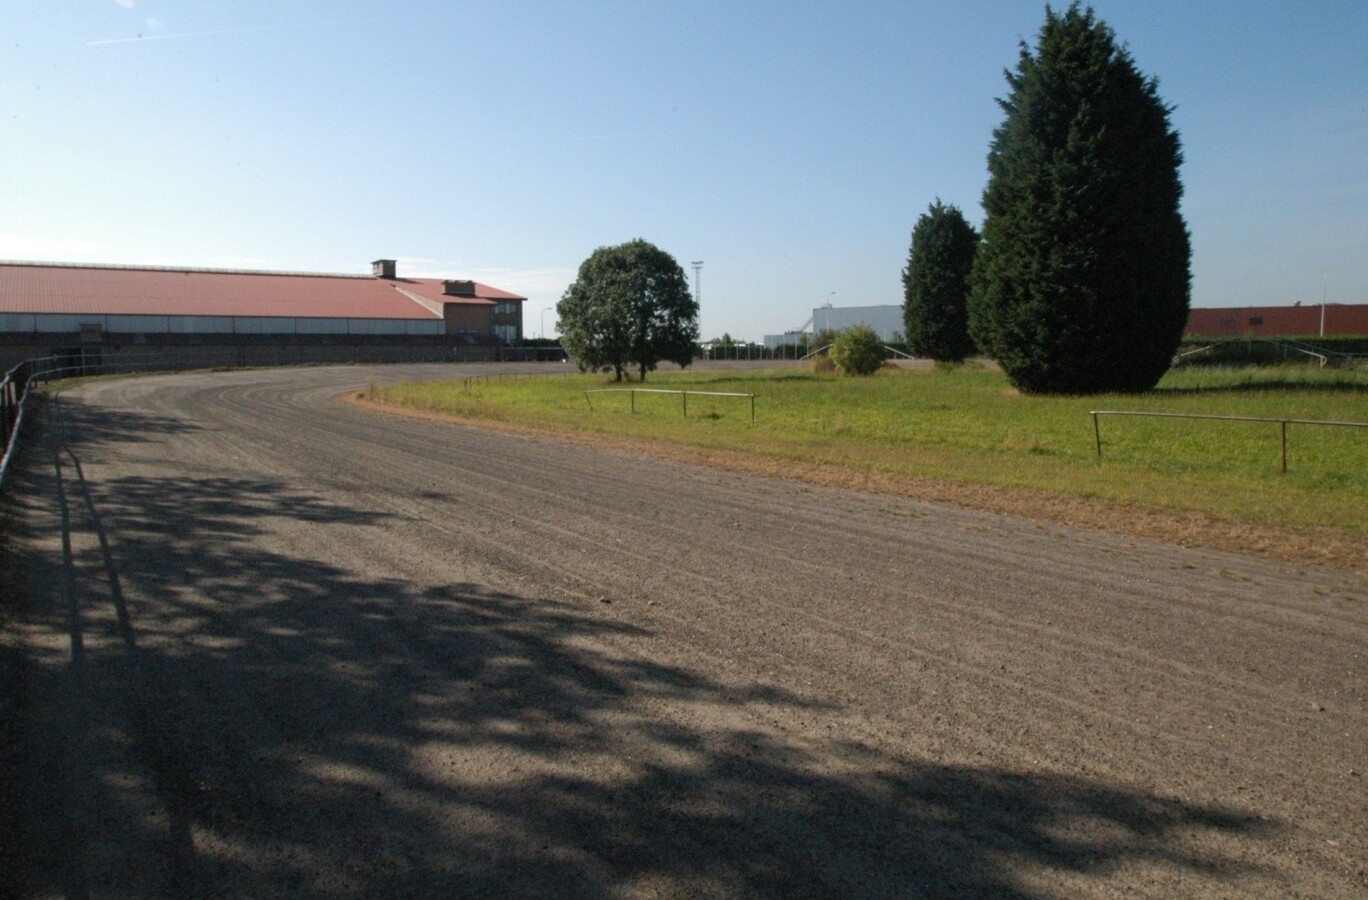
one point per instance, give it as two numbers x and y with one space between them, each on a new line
458 288
383 268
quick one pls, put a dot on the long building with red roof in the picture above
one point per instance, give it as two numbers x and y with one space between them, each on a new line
44 307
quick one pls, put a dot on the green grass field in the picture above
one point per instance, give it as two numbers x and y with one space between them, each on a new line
968 425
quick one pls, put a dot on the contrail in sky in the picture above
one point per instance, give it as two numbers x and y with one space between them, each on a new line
186 34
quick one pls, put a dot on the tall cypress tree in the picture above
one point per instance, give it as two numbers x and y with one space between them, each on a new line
1082 282
936 284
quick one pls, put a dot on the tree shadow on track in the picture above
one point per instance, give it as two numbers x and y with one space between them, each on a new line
83 424
205 712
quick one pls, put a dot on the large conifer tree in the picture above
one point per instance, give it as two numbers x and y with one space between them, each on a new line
1082 282
936 284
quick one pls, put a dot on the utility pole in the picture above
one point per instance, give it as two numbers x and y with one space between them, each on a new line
1324 278
698 281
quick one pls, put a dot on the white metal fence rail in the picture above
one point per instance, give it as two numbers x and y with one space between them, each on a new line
1098 413
14 392
683 394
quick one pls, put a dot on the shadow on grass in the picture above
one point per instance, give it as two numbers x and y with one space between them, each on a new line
1268 387
198 711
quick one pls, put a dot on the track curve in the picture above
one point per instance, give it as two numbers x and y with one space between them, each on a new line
284 646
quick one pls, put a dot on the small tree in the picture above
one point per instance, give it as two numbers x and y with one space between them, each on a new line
823 339
1082 282
858 351
630 304
936 285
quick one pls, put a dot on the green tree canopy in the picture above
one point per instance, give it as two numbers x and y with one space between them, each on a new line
629 305
1082 282
936 284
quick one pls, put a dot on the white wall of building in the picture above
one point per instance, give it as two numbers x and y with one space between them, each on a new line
886 321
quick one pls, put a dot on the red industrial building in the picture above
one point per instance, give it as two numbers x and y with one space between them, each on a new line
1280 321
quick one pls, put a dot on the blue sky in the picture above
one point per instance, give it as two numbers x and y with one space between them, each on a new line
789 146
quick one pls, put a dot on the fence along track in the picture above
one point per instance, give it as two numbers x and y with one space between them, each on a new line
1097 427
684 394
14 392
18 382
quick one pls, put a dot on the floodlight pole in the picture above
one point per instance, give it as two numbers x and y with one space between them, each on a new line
698 281
1324 278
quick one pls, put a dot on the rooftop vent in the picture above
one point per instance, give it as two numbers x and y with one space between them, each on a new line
383 268
458 288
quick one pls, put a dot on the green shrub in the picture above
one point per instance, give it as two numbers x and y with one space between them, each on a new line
858 351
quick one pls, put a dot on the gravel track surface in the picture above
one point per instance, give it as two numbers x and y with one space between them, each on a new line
259 643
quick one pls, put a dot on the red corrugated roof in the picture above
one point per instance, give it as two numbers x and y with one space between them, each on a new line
48 288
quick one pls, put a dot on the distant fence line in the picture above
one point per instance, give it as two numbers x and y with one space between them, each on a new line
470 381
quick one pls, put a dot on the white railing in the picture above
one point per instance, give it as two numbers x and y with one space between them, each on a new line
1097 427
683 394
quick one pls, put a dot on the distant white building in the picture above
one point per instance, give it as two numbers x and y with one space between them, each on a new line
886 321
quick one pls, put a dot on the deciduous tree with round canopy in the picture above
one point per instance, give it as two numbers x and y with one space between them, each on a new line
1082 282
629 305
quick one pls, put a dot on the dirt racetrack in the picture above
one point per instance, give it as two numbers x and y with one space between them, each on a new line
257 643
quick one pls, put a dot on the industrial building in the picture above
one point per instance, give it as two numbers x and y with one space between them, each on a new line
1243 321
1311 320
187 316
885 321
